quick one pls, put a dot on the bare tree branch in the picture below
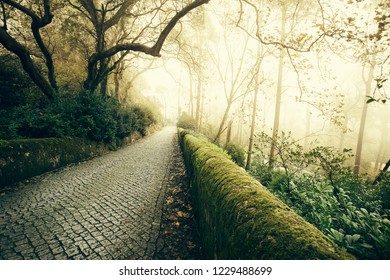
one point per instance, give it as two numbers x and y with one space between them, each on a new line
279 43
11 44
90 8
78 8
118 15
28 65
137 47
23 9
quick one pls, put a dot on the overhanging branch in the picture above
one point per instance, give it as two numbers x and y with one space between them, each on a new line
137 47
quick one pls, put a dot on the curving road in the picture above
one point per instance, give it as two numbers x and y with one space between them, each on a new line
105 208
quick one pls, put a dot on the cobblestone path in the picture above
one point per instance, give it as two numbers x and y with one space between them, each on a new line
105 208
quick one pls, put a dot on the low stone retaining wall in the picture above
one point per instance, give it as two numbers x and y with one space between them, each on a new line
25 158
240 219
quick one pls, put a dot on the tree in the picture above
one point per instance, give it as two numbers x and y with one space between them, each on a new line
99 19
98 67
15 84
234 64
368 85
40 15
358 31
366 43
288 38
279 85
257 82
190 42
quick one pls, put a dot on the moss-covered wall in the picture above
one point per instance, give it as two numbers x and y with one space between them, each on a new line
25 158
22 159
240 219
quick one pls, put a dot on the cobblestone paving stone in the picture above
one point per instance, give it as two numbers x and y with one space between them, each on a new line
106 208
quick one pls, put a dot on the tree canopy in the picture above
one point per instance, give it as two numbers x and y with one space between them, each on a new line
106 30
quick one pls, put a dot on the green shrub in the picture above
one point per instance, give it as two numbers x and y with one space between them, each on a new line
82 115
346 207
16 87
237 153
142 118
363 231
383 189
186 121
278 181
261 171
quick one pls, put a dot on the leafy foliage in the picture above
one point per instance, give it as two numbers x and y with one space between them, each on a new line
15 85
83 115
237 153
384 190
186 121
321 188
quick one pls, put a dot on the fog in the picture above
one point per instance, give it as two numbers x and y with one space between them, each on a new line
216 58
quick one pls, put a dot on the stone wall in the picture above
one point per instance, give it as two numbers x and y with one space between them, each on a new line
240 219
24 158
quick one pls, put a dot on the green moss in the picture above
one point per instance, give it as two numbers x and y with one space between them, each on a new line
240 219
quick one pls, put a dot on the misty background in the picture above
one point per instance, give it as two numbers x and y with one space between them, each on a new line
216 60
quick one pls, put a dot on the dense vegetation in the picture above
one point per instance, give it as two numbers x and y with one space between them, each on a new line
319 185
186 121
237 153
25 113
76 115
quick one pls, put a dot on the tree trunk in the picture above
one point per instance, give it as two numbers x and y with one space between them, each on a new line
241 124
254 110
179 99
229 133
35 28
27 63
103 87
382 146
198 99
308 128
222 124
278 90
381 174
116 85
191 101
359 147
201 108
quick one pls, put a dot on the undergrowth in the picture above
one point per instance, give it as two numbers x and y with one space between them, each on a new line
320 187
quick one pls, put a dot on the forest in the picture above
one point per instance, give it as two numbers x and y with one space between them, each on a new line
295 91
